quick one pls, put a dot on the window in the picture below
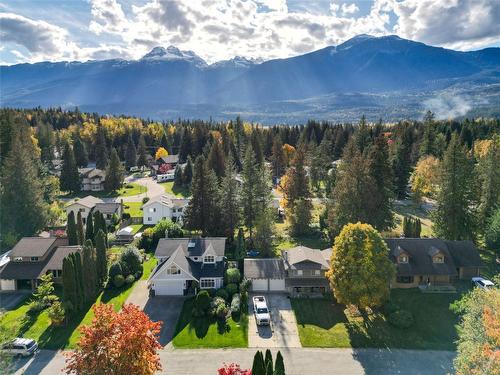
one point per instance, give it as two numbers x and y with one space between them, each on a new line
154 209
317 272
173 270
299 272
403 259
34 259
209 259
81 210
439 259
404 279
150 218
18 259
207 283
56 273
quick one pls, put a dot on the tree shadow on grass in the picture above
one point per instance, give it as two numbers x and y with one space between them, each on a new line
111 293
323 313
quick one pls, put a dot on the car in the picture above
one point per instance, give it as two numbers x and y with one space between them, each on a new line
261 312
20 347
253 253
482 283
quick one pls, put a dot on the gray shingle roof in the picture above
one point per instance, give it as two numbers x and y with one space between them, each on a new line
302 257
56 259
32 247
170 159
89 201
306 282
107 208
167 246
264 268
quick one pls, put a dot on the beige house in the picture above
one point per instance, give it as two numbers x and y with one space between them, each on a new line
92 179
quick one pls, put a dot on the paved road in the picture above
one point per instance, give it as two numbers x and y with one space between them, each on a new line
152 189
298 361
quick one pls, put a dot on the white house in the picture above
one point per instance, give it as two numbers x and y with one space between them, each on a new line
163 207
92 179
90 203
188 263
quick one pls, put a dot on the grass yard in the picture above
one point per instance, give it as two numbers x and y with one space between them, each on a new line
322 323
128 189
133 208
415 210
38 327
194 333
178 192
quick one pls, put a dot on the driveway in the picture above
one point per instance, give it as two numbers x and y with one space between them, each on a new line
153 189
282 333
163 309
9 300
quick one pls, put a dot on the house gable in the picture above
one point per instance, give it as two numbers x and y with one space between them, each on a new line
163 272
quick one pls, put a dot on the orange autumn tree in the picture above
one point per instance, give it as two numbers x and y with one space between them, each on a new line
118 343
161 152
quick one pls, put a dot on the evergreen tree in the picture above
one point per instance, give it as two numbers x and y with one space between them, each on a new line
186 146
178 181
258 366
268 359
101 259
489 173
99 224
269 368
257 147
216 159
69 284
130 153
80 295
401 163
300 217
89 227
70 178
88 272
240 249
427 147
230 204
142 161
164 142
79 228
45 136
264 232
454 216
71 230
362 135
114 173
203 212
296 184
80 151
279 365
278 158
187 173
101 150
381 174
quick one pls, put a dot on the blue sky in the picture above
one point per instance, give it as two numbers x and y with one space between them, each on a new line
56 30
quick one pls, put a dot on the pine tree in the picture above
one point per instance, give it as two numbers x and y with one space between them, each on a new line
79 228
489 172
101 259
240 249
70 178
264 232
164 142
186 146
89 227
178 182
362 135
99 223
268 360
142 161
427 147
203 211
278 158
258 366
249 196
23 210
401 163
296 184
300 217
216 159
269 368
279 366
45 136
455 215
89 272
80 151
71 230
130 153
257 147
101 150
69 284
187 173
230 204
80 295
114 173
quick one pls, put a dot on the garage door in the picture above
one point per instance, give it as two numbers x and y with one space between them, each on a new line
277 285
259 285
169 287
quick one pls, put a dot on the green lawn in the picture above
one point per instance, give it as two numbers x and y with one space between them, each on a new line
38 327
128 189
415 210
193 333
322 323
133 208
178 192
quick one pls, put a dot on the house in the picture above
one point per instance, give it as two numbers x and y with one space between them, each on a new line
90 204
185 264
165 163
300 270
92 179
431 261
163 207
33 257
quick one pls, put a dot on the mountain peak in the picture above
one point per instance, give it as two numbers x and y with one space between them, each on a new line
172 53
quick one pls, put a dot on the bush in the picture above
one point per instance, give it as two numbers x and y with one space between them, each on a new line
245 285
231 289
222 293
115 269
118 281
56 313
125 216
233 275
202 302
401 319
236 303
138 275
151 236
132 258
389 307
35 307
129 279
145 200
221 311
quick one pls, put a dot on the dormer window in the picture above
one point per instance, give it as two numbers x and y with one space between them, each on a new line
191 245
208 259
438 259
173 270
18 259
403 259
34 259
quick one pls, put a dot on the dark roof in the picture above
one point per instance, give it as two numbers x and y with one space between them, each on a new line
107 208
23 270
302 257
167 246
421 250
32 247
306 282
264 268
169 159
56 259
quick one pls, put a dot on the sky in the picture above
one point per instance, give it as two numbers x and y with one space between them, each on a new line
67 30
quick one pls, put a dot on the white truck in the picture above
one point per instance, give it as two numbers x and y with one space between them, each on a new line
261 311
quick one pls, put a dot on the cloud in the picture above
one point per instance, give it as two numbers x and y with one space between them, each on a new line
349 9
107 16
448 105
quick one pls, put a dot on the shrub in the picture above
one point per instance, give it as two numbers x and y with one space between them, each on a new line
245 285
126 216
222 293
401 319
132 258
118 281
56 313
35 307
115 269
151 236
231 289
129 279
221 311
145 200
138 275
202 302
236 303
389 307
233 275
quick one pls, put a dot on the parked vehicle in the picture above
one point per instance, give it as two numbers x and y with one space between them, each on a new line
134 169
253 253
165 177
20 347
260 310
482 283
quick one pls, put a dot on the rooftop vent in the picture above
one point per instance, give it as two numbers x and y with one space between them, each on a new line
191 245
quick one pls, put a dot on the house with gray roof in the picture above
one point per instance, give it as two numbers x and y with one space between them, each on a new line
163 207
89 204
33 257
188 263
